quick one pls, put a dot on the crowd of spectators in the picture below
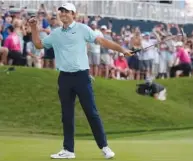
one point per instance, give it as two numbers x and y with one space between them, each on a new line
172 57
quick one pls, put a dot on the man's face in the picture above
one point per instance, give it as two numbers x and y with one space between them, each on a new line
103 31
137 33
93 27
126 42
8 19
178 48
121 57
54 21
40 16
146 37
66 16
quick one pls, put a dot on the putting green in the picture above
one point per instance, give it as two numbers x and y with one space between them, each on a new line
38 148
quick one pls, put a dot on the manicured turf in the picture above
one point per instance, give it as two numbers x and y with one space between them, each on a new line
29 104
165 146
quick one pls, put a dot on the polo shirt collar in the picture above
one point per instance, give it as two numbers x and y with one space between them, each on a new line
70 26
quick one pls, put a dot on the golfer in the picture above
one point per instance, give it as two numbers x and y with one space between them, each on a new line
70 47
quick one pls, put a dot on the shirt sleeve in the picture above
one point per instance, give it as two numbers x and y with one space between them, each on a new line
6 43
47 41
116 63
89 34
101 34
126 64
42 51
178 54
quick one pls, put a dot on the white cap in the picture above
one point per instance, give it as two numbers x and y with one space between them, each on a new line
104 27
179 43
68 6
121 54
94 23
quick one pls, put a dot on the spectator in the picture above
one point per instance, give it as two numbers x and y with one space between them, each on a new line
3 56
34 56
7 23
94 52
163 61
3 52
20 31
12 42
184 61
45 30
150 88
144 63
54 22
105 55
146 56
121 66
133 61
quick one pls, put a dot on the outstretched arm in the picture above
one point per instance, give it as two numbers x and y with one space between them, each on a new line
113 46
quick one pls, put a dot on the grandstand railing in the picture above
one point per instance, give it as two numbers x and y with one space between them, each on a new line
168 13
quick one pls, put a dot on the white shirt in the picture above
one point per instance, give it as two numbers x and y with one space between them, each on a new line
32 49
93 47
149 53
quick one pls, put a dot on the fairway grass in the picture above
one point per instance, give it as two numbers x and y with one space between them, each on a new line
31 148
139 128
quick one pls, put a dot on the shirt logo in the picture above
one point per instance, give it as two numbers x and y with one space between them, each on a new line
73 32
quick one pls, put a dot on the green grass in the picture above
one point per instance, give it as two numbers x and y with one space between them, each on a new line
165 146
29 103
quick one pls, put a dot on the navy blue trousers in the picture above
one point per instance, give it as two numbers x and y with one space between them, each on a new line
72 85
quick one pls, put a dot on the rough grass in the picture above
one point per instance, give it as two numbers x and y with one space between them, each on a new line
29 103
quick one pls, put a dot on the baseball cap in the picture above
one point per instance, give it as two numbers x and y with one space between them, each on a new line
94 23
179 43
68 6
121 54
146 34
104 27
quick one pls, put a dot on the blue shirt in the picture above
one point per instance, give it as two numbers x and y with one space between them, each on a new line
5 31
70 46
45 23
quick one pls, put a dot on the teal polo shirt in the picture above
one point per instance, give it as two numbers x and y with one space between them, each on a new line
70 46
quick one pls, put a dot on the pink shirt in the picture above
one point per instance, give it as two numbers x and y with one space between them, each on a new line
12 42
183 56
122 63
